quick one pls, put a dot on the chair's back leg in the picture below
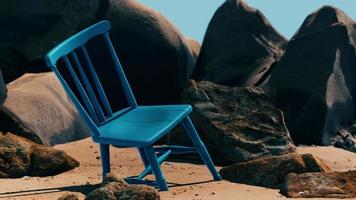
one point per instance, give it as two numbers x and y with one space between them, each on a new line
152 159
192 133
105 158
143 156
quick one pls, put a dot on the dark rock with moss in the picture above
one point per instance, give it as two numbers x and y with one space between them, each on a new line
240 46
236 124
22 157
321 185
314 82
272 171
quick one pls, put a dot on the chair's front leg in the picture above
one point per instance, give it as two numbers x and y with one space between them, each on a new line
152 159
105 158
190 129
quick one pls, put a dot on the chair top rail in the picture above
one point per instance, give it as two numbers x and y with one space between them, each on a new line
75 41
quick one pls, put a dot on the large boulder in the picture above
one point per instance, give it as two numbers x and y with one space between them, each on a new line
154 54
22 157
236 124
272 171
37 103
314 82
321 185
30 29
194 47
240 46
10 122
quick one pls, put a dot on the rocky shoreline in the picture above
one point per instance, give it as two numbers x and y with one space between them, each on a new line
256 97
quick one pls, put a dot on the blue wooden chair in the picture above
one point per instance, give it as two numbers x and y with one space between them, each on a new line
134 126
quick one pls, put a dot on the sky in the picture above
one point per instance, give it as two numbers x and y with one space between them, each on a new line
192 16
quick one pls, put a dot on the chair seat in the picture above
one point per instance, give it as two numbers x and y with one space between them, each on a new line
142 126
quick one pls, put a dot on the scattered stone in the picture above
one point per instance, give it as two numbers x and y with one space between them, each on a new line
47 161
236 124
346 138
272 171
321 185
314 82
117 189
240 46
70 196
138 192
111 177
22 157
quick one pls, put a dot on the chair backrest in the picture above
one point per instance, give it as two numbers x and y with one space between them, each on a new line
96 109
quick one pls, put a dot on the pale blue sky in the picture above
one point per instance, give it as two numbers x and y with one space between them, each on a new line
192 16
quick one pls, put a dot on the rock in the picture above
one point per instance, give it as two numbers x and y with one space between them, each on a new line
22 157
70 196
111 177
313 83
346 138
47 162
315 164
3 89
321 185
194 47
118 191
236 124
138 192
11 123
39 103
105 193
30 29
240 46
154 54
271 171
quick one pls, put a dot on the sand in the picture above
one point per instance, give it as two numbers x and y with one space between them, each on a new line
188 181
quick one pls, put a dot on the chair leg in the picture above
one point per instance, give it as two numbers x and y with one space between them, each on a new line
143 156
190 129
105 158
152 159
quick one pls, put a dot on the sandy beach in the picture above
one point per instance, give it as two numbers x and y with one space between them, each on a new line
188 181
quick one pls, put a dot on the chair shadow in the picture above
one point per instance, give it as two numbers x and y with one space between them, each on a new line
173 185
84 189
